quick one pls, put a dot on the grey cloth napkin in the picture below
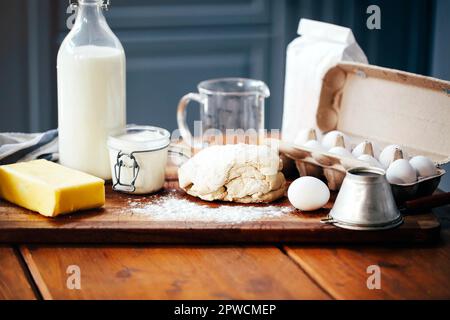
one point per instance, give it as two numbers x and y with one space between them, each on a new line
17 147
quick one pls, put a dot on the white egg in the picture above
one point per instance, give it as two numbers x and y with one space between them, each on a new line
303 136
330 139
308 194
371 161
364 147
313 144
340 151
424 166
401 172
390 154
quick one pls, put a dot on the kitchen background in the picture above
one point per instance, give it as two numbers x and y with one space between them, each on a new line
171 45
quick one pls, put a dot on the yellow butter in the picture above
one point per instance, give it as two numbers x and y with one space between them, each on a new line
49 188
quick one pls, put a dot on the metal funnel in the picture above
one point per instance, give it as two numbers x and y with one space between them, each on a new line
365 202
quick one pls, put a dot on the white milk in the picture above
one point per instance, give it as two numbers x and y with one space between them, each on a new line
91 105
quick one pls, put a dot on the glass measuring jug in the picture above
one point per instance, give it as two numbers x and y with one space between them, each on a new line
226 105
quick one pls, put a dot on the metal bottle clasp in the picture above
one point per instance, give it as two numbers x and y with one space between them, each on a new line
105 4
122 158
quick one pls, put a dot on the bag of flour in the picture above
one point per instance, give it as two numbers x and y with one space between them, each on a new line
320 47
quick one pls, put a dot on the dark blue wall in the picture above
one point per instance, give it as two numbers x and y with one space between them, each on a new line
171 45
13 68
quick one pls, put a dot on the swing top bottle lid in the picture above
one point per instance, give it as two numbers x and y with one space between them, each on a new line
104 3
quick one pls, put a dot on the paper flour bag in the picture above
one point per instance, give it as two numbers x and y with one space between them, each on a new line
309 57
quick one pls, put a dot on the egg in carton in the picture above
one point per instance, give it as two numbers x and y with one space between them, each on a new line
316 162
327 160
370 106
309 139
333 168
421 176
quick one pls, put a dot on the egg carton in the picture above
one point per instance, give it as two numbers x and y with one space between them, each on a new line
333 169
381 105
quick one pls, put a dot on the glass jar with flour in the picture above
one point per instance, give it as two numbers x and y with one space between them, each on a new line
138 158
91 90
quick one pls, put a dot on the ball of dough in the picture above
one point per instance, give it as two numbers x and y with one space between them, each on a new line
308 194
236 173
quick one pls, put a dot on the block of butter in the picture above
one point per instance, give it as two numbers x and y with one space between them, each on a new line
49 188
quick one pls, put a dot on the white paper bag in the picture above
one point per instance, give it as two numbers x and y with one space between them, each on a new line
320 47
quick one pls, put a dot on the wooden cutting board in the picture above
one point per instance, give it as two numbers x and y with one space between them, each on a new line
116 223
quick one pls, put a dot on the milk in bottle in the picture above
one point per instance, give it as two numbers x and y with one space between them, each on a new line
91 91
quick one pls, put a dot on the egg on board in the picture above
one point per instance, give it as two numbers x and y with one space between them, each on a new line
308 194
424 166
401 172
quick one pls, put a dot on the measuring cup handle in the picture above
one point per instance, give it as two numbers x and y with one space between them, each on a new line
181 116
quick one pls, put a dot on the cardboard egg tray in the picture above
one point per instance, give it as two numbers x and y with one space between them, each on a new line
383 106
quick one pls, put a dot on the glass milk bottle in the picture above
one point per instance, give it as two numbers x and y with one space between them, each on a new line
91 91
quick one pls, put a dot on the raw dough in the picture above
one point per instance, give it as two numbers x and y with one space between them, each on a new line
238 173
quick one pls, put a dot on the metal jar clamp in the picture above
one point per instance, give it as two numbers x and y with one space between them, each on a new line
121 160
134 169
118 169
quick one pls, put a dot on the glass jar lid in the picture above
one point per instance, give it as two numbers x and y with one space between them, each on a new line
139 138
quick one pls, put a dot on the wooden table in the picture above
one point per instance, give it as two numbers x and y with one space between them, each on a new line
227 272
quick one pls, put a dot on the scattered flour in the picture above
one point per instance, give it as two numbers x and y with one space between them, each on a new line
173 208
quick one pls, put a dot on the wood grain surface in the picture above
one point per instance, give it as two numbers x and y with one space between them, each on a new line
13 281
206 272
170 273
117 223
406 272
